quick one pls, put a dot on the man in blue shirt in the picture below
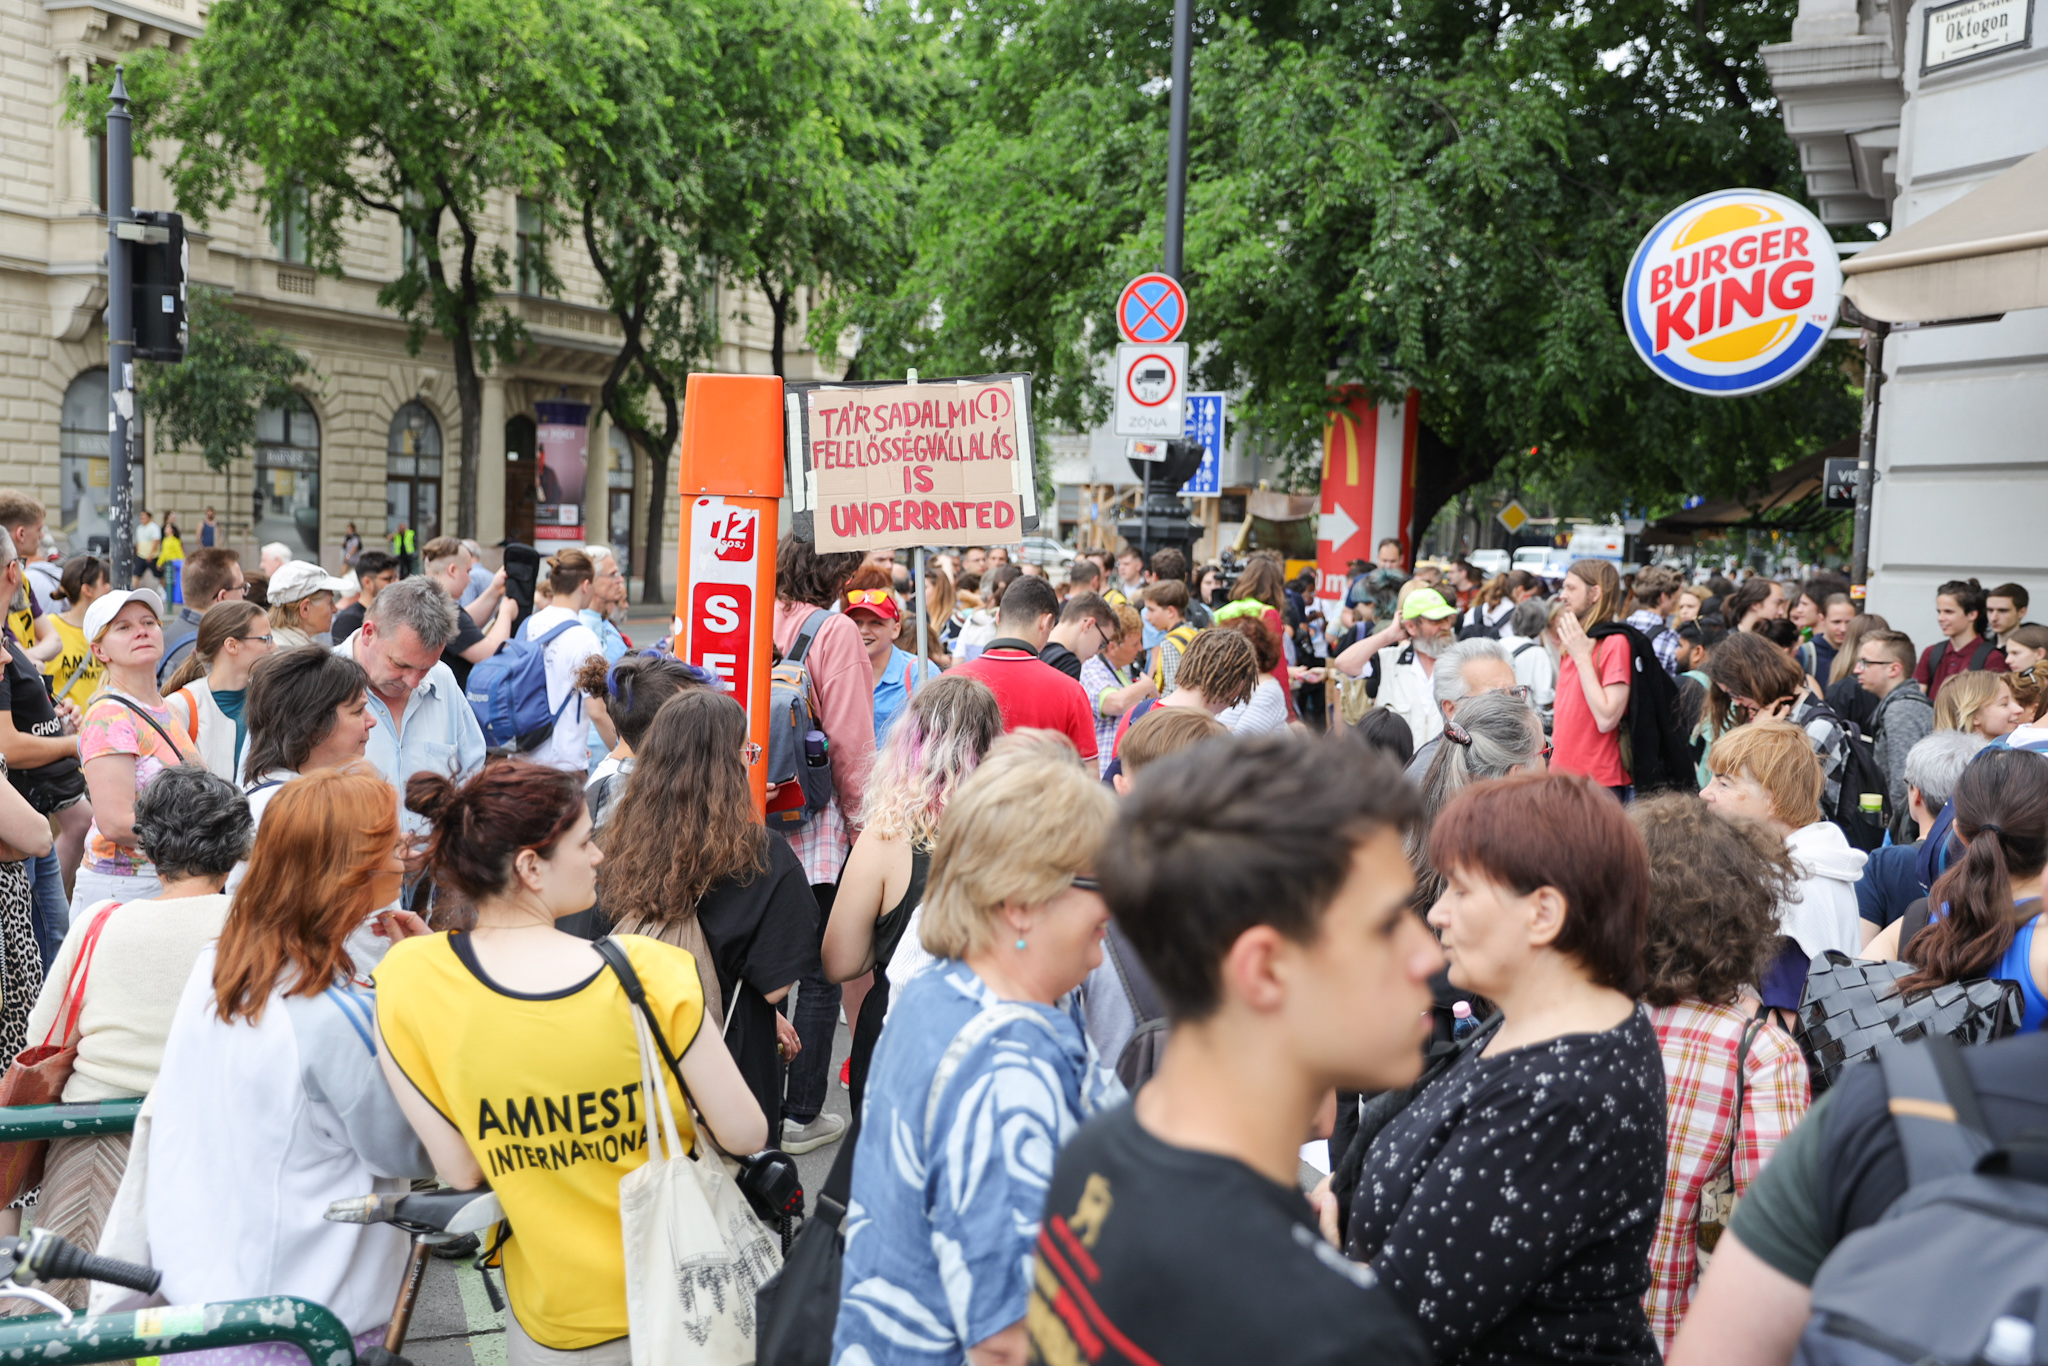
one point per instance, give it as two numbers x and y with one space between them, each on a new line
1891 880
424 723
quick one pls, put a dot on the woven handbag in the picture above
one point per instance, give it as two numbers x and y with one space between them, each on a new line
1851 1006
38 1074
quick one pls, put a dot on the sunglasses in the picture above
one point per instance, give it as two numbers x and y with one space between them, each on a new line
869 597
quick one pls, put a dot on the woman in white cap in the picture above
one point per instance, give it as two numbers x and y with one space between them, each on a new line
302 598
128 736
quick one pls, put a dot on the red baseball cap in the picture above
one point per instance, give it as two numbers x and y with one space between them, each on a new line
880 601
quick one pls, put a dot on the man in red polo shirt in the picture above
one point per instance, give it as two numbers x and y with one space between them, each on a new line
1032 693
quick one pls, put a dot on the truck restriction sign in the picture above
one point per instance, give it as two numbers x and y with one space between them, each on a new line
1151 389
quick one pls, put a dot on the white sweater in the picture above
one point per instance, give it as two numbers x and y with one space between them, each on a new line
131 992
257 1129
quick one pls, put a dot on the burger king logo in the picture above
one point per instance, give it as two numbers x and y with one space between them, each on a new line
1733 292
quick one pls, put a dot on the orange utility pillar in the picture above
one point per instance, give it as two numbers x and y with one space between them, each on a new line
729 473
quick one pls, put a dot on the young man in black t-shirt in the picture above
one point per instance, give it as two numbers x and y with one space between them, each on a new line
1261 882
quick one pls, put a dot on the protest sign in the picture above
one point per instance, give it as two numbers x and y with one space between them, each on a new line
938 462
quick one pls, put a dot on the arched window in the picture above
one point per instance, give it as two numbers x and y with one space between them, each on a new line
412 473
82 466
287 498
619 489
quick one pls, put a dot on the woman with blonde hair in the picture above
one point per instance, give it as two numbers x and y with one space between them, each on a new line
941 740
688 862
1980 702
271 1066
127 737
210 690
302 598
987 1074
1112 685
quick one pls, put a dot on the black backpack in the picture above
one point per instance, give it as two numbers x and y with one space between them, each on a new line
1861 773
1656 742
1141 1052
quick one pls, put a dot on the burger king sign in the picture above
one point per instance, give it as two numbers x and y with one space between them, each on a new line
1733 292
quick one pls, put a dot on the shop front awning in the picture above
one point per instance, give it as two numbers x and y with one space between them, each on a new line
1985 254
1788 501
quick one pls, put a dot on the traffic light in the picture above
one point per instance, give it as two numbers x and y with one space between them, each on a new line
159 261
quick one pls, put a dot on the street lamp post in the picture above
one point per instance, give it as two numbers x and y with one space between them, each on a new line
1177 137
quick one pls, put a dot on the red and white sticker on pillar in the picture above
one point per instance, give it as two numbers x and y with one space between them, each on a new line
725 550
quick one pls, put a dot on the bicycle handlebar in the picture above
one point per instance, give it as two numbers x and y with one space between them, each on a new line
53 1259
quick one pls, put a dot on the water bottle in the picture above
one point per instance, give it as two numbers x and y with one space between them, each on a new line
1462 1022
817 749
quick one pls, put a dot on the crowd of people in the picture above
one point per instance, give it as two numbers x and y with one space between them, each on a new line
1493 899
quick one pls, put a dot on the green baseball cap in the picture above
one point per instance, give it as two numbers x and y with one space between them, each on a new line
1426 602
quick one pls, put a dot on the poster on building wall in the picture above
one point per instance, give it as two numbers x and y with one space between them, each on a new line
1368 491
562 437
938 462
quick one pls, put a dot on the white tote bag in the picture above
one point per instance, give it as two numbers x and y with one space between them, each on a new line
695 1253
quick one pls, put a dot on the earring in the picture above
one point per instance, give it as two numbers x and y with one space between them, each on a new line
1020 943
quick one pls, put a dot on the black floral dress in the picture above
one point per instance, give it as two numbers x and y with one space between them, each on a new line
1511 1206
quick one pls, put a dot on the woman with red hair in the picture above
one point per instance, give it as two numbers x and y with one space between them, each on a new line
270 1104
1510 1207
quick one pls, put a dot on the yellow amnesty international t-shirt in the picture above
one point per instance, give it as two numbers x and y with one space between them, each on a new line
75 662
546 1090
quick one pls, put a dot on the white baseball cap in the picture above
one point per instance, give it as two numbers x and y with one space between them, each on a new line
299 579
104 608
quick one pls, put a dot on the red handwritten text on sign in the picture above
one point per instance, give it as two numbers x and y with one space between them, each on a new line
896 466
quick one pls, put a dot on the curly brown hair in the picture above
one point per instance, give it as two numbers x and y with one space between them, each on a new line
802 575
1715 885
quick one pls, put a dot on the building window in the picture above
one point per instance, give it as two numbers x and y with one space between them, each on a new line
287 495
412 474
288 225
82 466
96 158
410 254
532 246
619 490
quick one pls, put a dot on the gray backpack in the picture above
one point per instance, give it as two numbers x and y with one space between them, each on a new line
1957 1270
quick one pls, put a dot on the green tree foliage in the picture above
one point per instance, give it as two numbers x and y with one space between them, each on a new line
427 110
763 141
1441 194
231 372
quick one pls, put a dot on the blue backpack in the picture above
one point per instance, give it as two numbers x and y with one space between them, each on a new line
509 694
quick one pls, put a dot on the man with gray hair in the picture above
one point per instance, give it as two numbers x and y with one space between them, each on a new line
1891 879
1535 669
274 557
1468 667
424 723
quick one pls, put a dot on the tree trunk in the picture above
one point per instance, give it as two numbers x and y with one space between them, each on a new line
1442 472
469 396
778 308
651 577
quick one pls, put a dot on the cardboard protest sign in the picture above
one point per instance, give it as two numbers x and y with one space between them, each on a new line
945 461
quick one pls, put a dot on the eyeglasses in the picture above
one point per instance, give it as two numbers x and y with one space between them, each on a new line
1521 692
1860 665
751 752
263 639
1085 884
868 597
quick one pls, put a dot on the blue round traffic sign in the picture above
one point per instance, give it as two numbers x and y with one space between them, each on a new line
1152 310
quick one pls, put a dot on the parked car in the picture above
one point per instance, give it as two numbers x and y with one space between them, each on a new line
1044 550
1489 562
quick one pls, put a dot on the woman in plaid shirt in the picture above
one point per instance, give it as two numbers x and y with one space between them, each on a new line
1735 1083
